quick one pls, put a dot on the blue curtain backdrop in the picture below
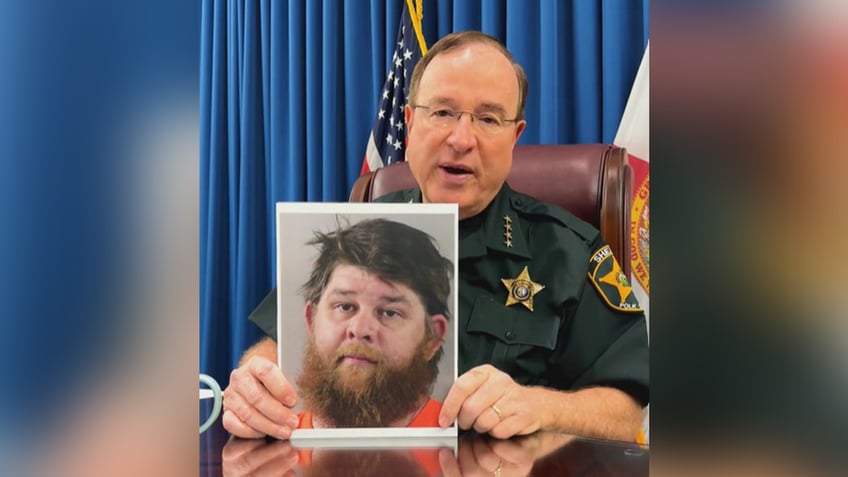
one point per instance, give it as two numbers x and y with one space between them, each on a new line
289 92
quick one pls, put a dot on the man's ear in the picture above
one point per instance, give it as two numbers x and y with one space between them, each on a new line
519 128
407 117
440 329
307 313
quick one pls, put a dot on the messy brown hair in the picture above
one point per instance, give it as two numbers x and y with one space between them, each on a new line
394 252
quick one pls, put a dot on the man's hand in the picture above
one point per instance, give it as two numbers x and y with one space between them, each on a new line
489 401
241 458
258 401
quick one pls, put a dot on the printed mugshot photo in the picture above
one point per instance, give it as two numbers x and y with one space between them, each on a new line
366 297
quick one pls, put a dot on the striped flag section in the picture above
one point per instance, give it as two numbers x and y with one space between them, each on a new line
387 142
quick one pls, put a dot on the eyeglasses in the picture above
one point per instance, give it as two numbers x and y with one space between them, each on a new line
487 123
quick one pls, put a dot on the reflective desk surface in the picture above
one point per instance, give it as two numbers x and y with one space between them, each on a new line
542 454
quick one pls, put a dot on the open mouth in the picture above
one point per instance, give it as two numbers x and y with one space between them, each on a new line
458 170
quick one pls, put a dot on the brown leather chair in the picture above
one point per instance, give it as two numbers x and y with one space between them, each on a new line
592 181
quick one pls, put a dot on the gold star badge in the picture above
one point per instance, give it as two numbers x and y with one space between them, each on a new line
521 289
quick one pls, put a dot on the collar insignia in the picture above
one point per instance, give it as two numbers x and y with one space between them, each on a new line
508 233
522 289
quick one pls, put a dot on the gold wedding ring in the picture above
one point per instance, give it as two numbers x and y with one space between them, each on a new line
498 412
497 471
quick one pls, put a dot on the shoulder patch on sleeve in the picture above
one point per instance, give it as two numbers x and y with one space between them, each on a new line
608 279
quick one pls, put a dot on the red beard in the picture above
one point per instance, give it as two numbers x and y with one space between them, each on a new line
371 397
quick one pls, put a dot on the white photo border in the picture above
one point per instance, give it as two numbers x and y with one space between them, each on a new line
296 215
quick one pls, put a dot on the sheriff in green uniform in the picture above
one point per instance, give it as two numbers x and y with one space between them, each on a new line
550 335
541 297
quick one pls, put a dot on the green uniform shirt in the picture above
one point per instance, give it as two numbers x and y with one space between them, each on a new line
569 321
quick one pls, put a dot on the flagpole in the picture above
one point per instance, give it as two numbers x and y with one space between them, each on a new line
416 14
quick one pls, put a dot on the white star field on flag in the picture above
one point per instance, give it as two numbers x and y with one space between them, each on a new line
389 131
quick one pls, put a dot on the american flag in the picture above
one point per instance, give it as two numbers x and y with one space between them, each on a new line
387 143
